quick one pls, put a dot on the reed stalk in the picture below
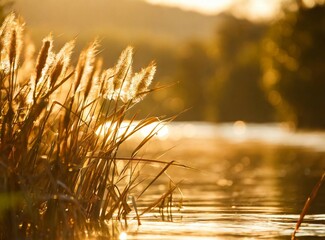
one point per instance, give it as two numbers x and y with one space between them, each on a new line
60 174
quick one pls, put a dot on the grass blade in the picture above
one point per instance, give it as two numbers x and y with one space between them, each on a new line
308 203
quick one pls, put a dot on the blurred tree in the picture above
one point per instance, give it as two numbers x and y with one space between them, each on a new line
222 81
197 69
294 66
238 69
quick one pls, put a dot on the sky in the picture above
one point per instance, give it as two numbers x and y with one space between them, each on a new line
253 9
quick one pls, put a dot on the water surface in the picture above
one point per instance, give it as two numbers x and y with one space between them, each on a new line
249 182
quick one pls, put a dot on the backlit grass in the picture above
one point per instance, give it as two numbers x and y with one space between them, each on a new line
62 173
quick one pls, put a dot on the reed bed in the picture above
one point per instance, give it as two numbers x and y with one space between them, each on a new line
62 173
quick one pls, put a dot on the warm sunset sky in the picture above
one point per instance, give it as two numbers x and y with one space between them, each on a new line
252 8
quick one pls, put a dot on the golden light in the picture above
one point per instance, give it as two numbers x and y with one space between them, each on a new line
204 6
239 128
126 127
257 9
253 9
106 129
123 236
160 130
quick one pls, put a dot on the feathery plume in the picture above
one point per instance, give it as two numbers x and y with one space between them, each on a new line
95 90
7 21
85 68
106 89
11 33
44 63
141 82
43 56
61 62
12 48
123 69
79 70
89 70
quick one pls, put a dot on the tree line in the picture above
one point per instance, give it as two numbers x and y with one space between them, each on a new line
259 72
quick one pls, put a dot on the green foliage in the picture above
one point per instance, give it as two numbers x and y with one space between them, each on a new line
294 66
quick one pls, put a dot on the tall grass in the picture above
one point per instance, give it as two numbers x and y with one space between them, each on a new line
60 139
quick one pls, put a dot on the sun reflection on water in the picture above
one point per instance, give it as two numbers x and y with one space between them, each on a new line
239 128
131 129
241 194
123 236
160 130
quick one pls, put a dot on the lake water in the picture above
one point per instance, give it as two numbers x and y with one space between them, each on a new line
248 182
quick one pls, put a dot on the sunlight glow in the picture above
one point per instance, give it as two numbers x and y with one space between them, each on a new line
257 9
123 236
239 128
160 130
105 129
252 9
204 6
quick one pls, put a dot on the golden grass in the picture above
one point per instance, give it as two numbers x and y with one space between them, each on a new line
307 205
58 178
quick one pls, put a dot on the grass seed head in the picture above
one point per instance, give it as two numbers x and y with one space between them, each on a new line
11 33
43 55
123 69
12 48
106 89
61 62
141 82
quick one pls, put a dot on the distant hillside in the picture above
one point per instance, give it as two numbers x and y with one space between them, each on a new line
130 19
157 33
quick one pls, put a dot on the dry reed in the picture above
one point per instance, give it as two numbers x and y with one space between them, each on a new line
308 203
59 178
